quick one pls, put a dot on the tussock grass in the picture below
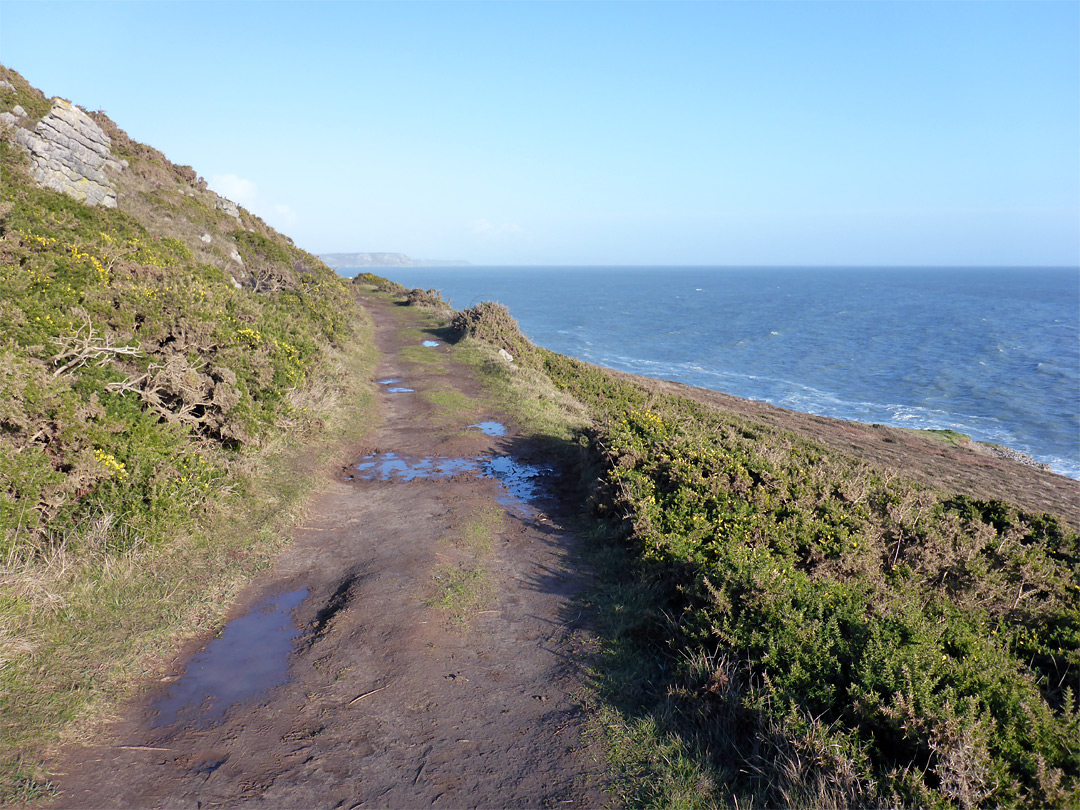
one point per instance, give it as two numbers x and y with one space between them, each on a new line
540 409
493 324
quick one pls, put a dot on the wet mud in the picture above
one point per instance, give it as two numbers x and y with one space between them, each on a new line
250 656
340 682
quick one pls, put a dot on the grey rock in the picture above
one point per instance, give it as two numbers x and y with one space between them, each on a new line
207 238
235 256
998 451
7 119
6 85
228 206
19 111
505 355
69 153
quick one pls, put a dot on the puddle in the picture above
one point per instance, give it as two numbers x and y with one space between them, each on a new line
490 428
249 657
386 466
400 390
390 381
522 482
431 344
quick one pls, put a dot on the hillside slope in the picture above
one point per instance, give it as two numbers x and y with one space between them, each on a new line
159 346
816 613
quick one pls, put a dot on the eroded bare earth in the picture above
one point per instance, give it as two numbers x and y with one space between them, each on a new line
417 645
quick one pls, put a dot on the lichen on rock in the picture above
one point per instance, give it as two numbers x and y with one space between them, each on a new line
69 153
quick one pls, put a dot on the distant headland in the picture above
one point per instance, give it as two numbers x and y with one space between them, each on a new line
336 260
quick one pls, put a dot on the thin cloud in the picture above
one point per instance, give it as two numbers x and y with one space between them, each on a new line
246 193
487 228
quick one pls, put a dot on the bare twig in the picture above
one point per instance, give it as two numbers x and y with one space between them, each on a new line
366 694
79 349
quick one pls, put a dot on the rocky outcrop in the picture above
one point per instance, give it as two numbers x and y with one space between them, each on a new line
228 206
69 153
998 451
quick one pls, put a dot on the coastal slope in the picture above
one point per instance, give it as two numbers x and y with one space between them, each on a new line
666 595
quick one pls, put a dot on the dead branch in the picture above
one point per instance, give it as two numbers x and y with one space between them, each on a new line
80 349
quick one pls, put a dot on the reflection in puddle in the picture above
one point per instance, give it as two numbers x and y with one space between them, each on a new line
400 390
431 344
390 465
390 381
522 481
491 428
250 656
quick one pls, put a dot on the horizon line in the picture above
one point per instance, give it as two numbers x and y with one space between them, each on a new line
467 264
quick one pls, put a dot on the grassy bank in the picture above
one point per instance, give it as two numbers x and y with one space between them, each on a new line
174 378
796 627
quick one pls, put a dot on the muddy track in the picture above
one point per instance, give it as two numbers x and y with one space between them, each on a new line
345 679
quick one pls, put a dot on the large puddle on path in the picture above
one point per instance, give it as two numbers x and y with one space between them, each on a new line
521 482
249 657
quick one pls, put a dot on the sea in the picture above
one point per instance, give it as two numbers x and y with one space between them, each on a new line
990 352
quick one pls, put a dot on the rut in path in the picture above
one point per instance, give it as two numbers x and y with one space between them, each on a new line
420 636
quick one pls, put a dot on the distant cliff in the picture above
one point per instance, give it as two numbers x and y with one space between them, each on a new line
336 260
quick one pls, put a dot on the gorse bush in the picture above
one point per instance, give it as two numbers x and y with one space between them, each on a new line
492 323
379 283
157 361
124 354
426 298
833 635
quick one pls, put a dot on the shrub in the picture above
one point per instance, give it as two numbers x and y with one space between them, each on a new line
492 323
920 648
426 298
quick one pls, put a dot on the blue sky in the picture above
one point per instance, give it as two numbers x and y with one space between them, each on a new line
605 132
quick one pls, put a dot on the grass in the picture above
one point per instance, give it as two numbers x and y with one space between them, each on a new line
422 356
540 409
462 591
94 622
946 436
476 533
450 401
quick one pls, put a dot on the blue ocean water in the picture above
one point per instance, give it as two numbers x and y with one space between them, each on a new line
991 352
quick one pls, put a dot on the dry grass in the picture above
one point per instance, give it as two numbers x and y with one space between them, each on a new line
83 625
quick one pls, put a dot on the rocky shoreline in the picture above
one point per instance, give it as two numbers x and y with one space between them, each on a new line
999 451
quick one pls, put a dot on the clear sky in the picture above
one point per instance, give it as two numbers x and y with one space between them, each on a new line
602 132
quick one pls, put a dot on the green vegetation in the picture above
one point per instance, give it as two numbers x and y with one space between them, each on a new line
492 323
462 588
450 401
426 298
947 436
158 400
462 591
782 624
800 629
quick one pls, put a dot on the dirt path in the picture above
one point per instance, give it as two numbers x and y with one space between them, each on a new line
426 631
